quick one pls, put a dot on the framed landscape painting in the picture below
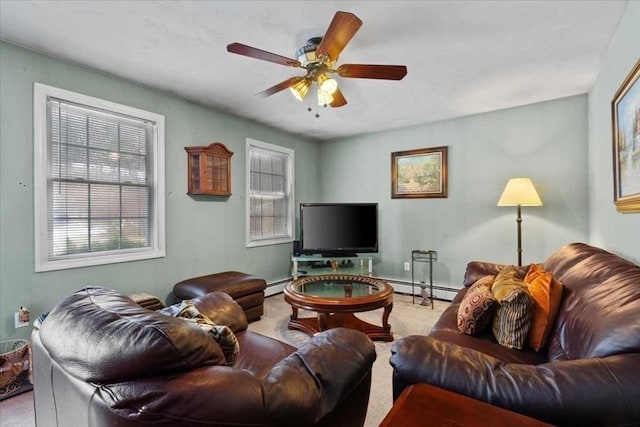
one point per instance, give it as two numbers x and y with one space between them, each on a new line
625 112
420 173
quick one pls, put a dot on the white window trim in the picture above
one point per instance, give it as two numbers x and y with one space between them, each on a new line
290 187
157 249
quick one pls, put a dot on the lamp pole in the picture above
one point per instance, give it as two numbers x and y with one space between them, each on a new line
519 221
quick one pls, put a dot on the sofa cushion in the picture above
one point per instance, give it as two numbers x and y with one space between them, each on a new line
546 293
82 331
477 307
271 351
446 329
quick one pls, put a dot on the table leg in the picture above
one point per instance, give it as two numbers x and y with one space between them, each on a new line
323 321
294 312
385 317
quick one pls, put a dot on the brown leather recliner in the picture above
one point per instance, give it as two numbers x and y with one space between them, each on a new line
589 372
99 359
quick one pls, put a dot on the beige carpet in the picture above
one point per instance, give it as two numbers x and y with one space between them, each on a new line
405 319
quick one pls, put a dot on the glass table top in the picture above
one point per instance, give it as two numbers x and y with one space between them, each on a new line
337 286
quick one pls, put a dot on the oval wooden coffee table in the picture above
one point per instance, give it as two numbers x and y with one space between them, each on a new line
336 297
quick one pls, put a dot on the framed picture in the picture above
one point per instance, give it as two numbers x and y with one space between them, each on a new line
625 113
419 173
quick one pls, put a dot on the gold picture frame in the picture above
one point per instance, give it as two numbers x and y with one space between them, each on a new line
420 173
625 116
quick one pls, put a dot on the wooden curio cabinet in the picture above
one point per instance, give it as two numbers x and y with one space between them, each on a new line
209 170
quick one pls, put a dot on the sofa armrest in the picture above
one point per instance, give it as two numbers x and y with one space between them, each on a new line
598 391
217 306
312 382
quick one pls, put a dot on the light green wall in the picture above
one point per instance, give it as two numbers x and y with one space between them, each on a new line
608 228
563 145
545 141
203 235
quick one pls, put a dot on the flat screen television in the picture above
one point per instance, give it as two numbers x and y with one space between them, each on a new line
338 229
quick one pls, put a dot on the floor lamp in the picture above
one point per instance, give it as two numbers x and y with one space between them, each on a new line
519 192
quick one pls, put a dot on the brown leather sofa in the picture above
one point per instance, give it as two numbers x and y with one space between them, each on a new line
99 359
589 372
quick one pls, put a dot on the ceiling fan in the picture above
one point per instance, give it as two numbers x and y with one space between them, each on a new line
318 57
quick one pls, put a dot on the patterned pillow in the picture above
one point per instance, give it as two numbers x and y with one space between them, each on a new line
223 335
507 279
546 292
477 307
512 321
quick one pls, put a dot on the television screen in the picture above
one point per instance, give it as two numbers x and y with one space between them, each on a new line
338 229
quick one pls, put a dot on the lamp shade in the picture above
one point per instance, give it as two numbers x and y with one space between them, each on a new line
324 98
326 84
300 88
519 192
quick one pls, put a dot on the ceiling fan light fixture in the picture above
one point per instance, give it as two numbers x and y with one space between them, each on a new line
324 98
300 89
327 84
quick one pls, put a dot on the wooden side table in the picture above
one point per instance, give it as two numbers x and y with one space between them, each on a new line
424 404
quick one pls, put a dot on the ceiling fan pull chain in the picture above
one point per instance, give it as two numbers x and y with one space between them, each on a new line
317 115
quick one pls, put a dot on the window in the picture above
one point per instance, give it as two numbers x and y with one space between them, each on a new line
99 181
270 214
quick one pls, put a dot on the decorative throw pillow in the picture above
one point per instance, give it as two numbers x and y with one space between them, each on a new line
223 335
534 271
507 279
512 321
477 307
546 293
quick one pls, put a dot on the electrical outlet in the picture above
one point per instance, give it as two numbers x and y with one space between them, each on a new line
407 266
19 323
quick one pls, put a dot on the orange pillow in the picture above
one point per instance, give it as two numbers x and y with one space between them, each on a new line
547 294
534 271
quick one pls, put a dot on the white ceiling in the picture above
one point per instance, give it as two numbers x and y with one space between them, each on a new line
463 57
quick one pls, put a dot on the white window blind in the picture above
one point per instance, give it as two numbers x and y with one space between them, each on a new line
269 194
101 184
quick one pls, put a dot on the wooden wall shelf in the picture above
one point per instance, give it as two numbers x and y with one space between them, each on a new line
209 170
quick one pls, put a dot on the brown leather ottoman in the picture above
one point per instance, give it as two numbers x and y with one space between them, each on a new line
245 289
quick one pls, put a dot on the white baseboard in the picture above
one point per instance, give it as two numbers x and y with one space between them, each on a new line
405 288
275 288
400 287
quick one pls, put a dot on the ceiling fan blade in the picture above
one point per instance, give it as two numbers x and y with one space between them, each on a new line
366 71
252 52
342 28
338 99
280 86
